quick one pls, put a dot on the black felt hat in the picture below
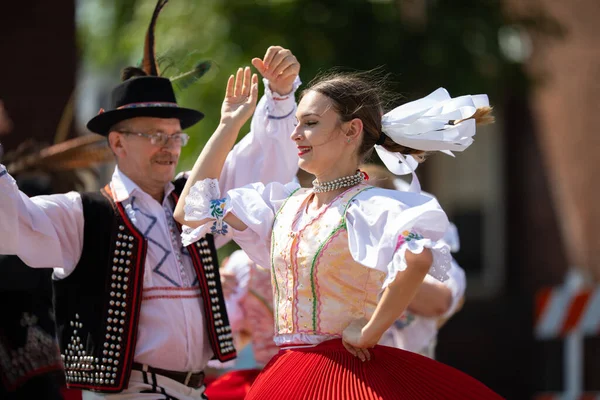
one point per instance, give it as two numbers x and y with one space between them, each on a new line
143 96
143 93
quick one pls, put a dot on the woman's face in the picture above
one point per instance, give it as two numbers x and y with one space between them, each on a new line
324 148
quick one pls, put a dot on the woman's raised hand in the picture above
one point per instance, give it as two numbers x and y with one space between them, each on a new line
241 96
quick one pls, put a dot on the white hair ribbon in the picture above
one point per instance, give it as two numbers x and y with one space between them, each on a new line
425 124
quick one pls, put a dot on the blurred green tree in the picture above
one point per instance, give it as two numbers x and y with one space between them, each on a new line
469 46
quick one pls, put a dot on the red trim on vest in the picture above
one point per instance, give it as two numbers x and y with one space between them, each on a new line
135 293
206 300
14 385
134 299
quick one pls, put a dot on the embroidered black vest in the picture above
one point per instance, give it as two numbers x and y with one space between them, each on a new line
97 305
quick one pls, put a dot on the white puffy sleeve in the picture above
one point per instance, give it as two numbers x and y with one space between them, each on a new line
382 224
255 205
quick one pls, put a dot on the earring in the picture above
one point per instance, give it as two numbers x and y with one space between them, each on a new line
348 140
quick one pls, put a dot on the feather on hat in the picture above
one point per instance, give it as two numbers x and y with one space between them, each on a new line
144 93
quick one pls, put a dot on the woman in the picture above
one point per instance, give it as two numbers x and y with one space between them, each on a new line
250 311
341 272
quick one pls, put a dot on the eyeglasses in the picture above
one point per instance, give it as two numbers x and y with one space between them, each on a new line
162 139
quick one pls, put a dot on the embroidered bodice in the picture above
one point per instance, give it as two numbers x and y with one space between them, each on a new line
318 288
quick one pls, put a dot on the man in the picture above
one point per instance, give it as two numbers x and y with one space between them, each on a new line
136 312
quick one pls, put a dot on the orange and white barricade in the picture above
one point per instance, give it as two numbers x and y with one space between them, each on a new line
568 312
560 312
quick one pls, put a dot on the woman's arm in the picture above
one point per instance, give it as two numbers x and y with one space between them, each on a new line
397 296
274 118
362 334
240 100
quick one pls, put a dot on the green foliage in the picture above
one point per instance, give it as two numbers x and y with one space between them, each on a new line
456 45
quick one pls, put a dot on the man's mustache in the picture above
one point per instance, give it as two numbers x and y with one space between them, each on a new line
165 157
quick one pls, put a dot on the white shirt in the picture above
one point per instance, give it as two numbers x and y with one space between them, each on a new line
47 232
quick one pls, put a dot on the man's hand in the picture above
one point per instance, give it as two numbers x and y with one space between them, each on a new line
280 67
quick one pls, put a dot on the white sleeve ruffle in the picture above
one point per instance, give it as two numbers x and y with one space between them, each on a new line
204 202
255 205
197 202
439 250
383 224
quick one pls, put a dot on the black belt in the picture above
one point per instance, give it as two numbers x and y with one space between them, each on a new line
190 379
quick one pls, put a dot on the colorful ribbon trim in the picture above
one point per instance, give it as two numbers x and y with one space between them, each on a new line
150 104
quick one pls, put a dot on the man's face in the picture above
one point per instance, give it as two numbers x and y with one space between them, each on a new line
139 158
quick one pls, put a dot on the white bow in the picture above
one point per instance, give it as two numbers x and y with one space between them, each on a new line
424 124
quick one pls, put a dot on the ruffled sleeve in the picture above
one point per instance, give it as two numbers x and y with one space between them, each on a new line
457 283
255 205
383 224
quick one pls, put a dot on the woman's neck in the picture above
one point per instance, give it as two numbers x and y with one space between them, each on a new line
320 199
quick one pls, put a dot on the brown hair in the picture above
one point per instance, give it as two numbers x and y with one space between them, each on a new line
132 72
363 95
360 95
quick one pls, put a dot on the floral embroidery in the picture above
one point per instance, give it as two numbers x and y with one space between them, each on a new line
217 208
219 228
407 236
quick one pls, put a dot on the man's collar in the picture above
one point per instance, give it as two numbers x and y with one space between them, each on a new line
123 187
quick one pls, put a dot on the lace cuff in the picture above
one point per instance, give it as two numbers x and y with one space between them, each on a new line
278 97
415 242
204 202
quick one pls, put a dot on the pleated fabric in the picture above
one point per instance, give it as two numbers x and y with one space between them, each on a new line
233 385
329 372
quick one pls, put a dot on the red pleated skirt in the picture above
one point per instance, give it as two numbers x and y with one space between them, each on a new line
329 372
71 394
233 385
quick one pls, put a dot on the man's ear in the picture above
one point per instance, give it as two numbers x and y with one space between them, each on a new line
116 143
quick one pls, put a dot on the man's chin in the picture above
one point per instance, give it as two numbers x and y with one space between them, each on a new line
164 172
